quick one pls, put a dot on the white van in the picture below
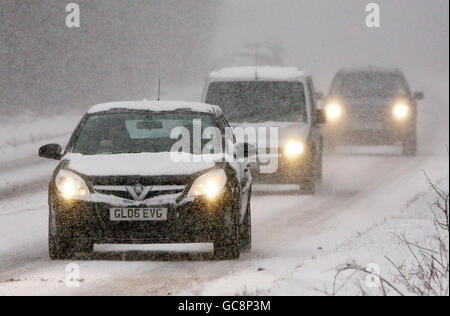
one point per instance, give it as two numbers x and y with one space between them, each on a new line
280 97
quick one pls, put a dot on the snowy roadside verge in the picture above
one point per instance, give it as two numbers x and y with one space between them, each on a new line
21 170
372 248
21 137
352 229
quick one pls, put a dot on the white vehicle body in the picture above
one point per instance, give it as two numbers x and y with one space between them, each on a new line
307 130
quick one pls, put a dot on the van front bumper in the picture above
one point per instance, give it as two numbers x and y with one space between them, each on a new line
286 171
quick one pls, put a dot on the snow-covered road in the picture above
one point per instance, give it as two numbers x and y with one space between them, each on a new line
362 187
287 230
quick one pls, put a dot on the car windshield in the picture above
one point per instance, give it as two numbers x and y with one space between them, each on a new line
259 101
136 132
369 84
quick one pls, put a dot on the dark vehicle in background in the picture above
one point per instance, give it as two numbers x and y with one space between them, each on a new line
274 97
372 106
118 183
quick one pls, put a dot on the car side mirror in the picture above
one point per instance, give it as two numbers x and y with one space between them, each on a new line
318 96
320 117
418 96
51 151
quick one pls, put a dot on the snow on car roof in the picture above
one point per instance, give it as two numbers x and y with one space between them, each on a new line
156 106
261 72
370 69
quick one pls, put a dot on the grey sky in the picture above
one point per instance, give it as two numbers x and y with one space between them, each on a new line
124 46
323 35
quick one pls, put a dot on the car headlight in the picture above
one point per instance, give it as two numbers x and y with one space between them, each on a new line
294 149
209 185
401 111
333 111
71 186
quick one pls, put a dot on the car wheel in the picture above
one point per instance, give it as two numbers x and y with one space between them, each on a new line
59 247
308 187
308 181
246 229
227 245
319 170
410 145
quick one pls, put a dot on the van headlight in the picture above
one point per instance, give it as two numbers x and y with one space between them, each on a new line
401 111
71 186
333 112
294 149
209 185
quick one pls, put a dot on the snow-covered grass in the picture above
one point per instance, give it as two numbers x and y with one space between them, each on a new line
24 130
425 272
386 247
20 137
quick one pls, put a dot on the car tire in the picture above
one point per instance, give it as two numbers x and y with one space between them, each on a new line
59 247
308 187
319 170
410 145
246 229
227 244
308 181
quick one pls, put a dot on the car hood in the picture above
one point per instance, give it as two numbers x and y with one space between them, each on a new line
142 164
286 130
366 101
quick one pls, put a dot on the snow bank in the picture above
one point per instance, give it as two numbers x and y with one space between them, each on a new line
21 137
351 227
25 130
373 247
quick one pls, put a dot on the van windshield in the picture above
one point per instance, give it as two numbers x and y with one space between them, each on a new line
369 84
259 101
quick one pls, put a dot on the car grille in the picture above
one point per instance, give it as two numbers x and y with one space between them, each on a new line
126 192
368 112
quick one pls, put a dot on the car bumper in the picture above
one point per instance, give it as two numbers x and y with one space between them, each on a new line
287 171
383 134
190 221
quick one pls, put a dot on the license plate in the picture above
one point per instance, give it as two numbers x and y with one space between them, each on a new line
138 214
